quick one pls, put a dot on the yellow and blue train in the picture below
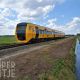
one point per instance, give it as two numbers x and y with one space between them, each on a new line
27 32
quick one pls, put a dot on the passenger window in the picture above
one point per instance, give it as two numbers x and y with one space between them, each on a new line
40 31
47 32
37 31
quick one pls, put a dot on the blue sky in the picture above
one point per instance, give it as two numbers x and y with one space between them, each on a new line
63 15
69 9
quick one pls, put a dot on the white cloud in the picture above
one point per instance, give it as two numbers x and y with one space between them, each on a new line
14 11
52 23
74 22
39 1
71 27
30 7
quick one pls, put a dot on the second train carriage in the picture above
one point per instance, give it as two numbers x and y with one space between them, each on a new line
26 32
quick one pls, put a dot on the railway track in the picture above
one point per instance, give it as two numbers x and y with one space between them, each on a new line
20 49
10 46
13 49
7 46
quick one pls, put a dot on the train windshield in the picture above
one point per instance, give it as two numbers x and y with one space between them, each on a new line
21 31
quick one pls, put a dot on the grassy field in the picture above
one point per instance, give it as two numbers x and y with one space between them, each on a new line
7 40
64 68
79 38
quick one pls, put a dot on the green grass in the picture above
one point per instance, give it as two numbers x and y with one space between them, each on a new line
7 40
63 68
78 36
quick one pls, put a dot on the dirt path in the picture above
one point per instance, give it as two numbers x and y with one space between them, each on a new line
39 60
21 52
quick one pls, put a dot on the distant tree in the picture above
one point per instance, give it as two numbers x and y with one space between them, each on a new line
78 34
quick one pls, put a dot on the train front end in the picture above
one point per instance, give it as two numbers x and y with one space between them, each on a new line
21 32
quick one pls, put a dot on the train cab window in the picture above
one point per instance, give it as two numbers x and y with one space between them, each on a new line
21 31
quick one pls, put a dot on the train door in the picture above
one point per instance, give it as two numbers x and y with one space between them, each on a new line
37 32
